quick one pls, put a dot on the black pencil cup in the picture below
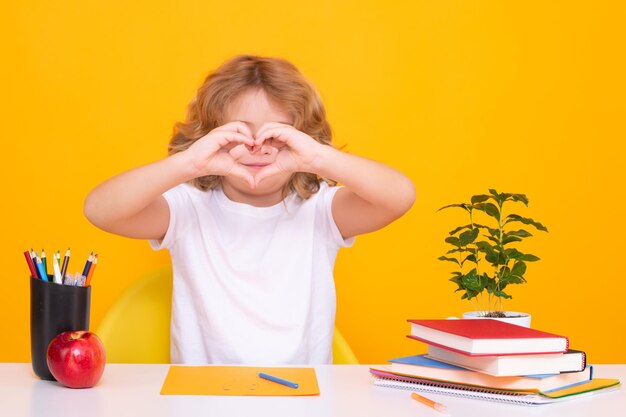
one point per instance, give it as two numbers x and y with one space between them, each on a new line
54 309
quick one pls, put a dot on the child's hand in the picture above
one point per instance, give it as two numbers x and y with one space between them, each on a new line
211 154
297 151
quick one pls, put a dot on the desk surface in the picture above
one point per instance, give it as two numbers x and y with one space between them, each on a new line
346 390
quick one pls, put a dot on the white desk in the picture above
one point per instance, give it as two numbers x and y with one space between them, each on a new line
346 390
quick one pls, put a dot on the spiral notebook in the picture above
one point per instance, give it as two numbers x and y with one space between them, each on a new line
595 386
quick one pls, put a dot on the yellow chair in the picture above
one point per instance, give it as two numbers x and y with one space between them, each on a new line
136 329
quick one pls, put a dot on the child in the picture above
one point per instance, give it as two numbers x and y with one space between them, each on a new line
252 227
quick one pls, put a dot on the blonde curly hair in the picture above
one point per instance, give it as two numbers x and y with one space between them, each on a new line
281 81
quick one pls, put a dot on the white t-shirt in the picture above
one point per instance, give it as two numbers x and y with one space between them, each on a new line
252 285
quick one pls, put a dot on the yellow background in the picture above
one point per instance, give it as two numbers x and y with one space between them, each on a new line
462 96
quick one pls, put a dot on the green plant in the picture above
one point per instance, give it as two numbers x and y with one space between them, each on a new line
486 259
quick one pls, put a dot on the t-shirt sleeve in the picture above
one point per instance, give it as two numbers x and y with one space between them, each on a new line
327 205
179 202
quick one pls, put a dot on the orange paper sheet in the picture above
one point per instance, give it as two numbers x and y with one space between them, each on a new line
237 380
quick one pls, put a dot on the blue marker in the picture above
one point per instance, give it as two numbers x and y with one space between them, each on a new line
278 380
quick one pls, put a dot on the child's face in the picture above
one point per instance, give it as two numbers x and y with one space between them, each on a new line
254 108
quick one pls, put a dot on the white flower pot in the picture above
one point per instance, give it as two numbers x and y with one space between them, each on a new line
513 317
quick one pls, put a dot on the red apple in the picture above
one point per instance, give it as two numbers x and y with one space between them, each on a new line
76 359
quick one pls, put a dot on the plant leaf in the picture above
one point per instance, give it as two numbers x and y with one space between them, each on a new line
491 257
472 281
467 226
510 239
496 257
519 269
453 241
493 239
470 258
468 237
526 220
505 271
489 208
514 279
502 294
458 282
464 206
480 198
520 197
513 253
502 258
529 258
519 233
458 229
504 197
445 258
457 250
499 197
484 246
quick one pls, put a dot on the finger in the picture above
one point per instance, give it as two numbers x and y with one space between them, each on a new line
236 126
280 134
224 137
267 171
240 172
268 146
238 151
253 149
269 125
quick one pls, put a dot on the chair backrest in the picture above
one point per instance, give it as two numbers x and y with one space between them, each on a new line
136 329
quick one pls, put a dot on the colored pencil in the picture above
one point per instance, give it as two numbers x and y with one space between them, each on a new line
66 261
56 269
33 257
91 269
43 274
278 380
44 261
430 403
88 264
31 265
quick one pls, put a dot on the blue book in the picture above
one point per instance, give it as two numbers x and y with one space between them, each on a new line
420 366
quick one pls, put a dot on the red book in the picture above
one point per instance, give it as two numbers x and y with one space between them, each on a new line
486 337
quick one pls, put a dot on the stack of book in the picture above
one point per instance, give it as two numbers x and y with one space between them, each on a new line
493 360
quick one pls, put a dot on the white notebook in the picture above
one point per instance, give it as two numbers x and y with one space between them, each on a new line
510 397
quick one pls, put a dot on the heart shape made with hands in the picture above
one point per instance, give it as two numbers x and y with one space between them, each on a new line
275 149
262 158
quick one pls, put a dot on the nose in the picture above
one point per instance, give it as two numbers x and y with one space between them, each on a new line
265 149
